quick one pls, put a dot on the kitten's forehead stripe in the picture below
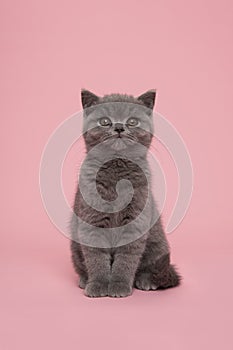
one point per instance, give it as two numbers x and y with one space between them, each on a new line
120 98
119 109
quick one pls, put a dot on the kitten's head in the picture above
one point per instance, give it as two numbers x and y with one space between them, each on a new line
118 121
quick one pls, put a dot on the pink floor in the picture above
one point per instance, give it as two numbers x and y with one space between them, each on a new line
42 308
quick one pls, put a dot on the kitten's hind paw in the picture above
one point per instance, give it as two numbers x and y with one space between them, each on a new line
96 289
119 289
82 283
144 282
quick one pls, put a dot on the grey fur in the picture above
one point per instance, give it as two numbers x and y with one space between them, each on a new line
145 262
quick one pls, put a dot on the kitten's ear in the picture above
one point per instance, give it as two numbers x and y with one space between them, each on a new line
88 98
148 98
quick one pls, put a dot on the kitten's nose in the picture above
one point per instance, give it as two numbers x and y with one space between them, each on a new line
119 127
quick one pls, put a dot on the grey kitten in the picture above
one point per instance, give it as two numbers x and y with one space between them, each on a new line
123 245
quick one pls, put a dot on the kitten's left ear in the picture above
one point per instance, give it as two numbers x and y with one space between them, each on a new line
148 98
88 98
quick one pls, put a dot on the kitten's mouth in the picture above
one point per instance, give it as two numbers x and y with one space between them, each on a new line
119 142
120 136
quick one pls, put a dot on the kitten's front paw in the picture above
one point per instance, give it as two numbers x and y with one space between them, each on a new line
144 282
96 289
119 289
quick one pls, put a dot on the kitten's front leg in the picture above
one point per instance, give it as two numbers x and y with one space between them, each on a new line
126 260
98 263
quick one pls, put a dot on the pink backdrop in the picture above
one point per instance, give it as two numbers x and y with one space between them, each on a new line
49 50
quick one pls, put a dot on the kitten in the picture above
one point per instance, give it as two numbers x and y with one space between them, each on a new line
124 245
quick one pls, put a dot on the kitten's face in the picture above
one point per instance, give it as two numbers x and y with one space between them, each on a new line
119 125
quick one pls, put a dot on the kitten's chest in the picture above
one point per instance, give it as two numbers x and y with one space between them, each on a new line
116 195
119 178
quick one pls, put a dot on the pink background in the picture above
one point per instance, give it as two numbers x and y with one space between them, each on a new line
49 50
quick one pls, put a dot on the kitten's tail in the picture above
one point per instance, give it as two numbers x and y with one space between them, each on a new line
171 279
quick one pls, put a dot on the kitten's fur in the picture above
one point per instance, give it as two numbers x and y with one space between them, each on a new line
145 262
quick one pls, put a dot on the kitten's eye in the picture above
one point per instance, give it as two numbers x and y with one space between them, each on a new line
104 121
133 122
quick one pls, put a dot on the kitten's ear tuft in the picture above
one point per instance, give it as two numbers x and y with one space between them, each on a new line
88 98
148 98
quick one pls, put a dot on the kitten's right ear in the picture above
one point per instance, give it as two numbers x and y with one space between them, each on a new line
88 98
148 98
